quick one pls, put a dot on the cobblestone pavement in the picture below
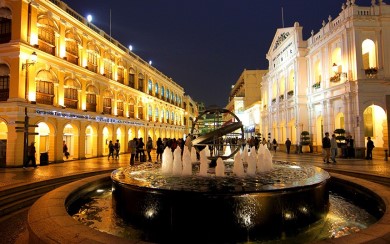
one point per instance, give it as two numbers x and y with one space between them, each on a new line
11 177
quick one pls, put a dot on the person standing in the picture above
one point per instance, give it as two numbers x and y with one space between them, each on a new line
132 150
288 145
350 150
370 147
65 149
326 147
30 156
140 150
274 144
110 150
149 147
117 148
333 148
160 148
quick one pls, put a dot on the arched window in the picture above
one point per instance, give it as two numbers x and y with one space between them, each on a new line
5 25
91 93
45 87
72 42
162 92
140 110
132 78
4 82
291 83
46 34
120 72
282 88
107 102
108 62
157 115
119 105
369 57
150 113
156 90
150 87
317 71
131 109
71 95
141 82
92 57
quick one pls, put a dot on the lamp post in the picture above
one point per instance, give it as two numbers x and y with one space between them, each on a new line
24 129
31 61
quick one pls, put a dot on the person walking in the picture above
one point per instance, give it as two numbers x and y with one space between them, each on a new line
160 148
133 150
288 145
30 156
110 150
149 147
274 144
326 147
117 148
333 148
370 147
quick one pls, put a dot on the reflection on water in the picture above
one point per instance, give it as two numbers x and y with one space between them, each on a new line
343 218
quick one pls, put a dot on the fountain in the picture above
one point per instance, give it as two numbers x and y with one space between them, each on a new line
281 202
231 202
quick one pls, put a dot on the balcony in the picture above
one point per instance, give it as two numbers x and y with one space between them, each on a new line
44 98
91 107
70 103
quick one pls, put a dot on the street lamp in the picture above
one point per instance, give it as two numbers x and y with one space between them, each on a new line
31 61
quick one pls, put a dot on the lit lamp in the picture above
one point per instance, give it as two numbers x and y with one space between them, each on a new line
31 61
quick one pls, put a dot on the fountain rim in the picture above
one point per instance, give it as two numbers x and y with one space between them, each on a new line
49 220
325 176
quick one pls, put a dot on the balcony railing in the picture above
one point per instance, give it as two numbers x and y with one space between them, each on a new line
45 98
91 107
70 103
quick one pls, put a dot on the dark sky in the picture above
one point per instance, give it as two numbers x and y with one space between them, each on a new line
204 45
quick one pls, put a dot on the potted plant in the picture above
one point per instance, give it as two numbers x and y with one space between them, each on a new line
341 143
305 141
340 137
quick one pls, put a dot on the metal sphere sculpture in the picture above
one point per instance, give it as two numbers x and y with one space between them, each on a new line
218 129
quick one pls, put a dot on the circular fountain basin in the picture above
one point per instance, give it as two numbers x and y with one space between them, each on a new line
208 208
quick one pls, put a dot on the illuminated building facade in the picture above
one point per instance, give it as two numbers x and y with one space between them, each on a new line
337 78
244 100
84 87
190 113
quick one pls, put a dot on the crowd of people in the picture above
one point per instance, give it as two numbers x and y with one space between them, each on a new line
137 147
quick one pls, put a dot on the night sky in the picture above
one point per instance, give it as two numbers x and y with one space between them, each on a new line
204 45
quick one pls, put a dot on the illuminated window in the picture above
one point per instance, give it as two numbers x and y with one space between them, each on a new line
5 25
140 82
131 109
369 55
132 78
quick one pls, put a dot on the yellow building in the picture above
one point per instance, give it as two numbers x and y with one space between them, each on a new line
78 84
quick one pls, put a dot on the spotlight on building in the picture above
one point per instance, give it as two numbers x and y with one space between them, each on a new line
150 62
130 47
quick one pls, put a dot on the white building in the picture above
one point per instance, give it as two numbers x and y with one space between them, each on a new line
338 78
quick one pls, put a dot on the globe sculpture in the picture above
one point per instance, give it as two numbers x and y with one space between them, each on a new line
219 129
